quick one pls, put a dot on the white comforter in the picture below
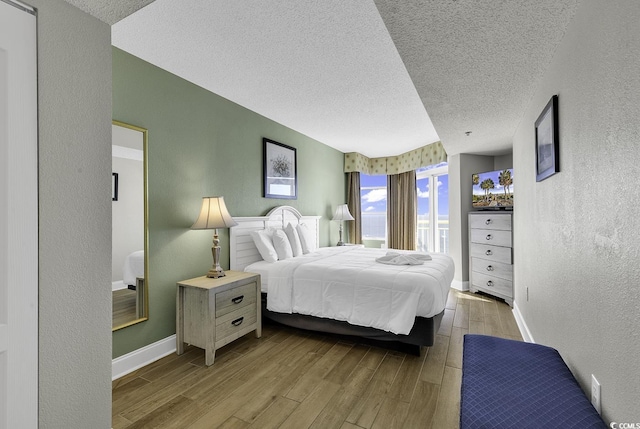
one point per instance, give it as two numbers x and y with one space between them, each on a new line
346 283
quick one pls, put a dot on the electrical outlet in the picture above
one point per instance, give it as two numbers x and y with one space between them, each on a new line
595 394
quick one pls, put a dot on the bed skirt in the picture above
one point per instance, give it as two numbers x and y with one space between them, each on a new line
423 332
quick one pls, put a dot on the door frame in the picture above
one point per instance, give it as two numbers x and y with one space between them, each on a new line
18 217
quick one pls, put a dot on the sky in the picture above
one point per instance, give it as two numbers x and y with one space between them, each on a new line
375 200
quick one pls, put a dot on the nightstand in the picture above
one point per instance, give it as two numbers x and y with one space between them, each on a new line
211 313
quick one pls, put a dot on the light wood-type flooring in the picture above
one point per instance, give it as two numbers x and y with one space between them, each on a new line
296 379
124 306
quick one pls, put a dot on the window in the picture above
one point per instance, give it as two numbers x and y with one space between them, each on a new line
433 208
373 200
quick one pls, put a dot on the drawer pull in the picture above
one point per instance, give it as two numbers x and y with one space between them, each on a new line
488 221
488 252
490 283
489 267
238 321
489 236
237 299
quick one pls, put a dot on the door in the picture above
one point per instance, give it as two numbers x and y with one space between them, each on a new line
18 218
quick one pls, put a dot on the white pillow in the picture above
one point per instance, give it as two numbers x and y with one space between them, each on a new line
262 240
282 245
294 240
306 238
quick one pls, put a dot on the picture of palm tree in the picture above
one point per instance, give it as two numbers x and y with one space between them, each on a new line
487 185
505 180
493 189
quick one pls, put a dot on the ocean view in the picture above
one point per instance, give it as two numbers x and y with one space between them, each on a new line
374 227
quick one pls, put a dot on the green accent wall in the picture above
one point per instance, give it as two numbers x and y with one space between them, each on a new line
201 144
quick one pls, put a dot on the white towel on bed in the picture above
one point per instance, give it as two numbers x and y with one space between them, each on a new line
395 258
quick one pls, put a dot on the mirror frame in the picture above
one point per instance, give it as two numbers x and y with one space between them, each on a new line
145 293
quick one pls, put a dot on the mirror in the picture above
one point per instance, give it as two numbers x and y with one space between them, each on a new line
129 225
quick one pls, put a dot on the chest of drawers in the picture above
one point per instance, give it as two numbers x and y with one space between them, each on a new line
211 313
491 254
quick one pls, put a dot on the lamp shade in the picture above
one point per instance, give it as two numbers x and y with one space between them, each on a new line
342 213
213 214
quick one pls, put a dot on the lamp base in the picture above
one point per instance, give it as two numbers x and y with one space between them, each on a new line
215 273
340 243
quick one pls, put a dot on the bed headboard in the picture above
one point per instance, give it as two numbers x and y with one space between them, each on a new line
242 250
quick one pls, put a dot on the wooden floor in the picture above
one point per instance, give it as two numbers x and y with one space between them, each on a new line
124 306
294 379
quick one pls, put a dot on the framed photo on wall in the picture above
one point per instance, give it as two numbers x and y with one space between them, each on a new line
547 144
280 170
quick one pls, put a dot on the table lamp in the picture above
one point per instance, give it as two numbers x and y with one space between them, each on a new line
214 215
342 214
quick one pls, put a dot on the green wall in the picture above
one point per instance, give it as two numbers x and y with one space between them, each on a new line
201 144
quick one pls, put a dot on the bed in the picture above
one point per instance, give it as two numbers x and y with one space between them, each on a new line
133 268
343 290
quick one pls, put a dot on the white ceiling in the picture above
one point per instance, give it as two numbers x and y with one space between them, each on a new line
357 75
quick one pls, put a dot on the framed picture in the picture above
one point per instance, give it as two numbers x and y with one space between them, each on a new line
280 170
114 186
547 144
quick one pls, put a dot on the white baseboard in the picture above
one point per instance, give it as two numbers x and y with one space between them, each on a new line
117 285
522 325
460 285
125 364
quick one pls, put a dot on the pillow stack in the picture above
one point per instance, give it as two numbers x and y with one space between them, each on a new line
278 245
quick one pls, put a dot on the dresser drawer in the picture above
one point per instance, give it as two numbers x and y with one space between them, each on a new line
492 284
491 253
235 298
494 237
490 221
490 268
235 321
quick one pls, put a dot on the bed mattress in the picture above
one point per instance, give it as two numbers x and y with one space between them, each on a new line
347 284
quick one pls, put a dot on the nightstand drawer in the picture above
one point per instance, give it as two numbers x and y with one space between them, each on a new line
235 298
491 253
235 321
491 268
494 237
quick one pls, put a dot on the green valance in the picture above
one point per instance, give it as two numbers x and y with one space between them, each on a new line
431 154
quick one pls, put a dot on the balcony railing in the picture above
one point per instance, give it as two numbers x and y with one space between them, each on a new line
442 234
374 228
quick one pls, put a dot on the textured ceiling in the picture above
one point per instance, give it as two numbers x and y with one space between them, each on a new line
109 11
357 75
327 69
476 63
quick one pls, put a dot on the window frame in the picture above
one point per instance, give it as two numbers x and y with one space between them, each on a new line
433 242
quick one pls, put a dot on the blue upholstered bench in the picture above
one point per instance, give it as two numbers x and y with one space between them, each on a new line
512 384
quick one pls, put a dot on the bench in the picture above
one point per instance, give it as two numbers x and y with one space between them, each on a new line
512 384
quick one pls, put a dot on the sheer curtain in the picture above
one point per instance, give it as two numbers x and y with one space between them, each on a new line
353 202
402 200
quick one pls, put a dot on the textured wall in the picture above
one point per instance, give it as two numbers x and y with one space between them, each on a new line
201 144
74 97
577 245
